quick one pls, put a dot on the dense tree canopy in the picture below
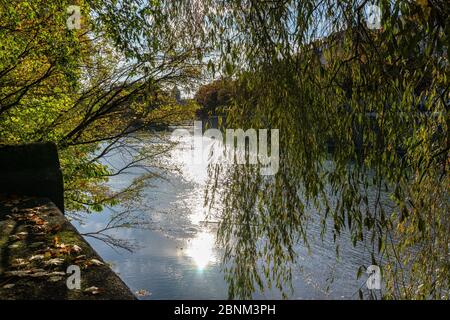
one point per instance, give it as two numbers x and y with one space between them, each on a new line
214 97
83 89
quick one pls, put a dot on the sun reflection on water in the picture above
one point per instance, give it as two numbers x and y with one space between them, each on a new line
201 249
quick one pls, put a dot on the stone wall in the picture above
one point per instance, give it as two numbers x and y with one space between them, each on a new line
32 170
38 249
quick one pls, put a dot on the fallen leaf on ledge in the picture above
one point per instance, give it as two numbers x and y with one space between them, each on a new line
36 257
96 262
143 293
55 261
14 237
20 262
76 249
92 290
55 278
20 273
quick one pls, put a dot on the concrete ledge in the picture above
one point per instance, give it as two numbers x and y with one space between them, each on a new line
37 244
32 170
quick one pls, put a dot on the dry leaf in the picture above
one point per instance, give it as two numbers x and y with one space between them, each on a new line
39 274
55 241
96 262
20 262
55 261
143 293
19 273
55 278
92 290
76 248
14 237
37 257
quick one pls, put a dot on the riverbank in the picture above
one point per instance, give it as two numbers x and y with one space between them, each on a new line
38 246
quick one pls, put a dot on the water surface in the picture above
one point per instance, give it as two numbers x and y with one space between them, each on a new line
177 257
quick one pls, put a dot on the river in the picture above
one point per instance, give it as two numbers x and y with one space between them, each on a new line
177 258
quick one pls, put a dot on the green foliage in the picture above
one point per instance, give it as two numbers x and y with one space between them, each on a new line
314 70
214 97
85 89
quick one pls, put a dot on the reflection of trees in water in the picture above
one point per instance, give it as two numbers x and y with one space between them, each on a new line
118 220
393 74
138 161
